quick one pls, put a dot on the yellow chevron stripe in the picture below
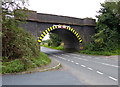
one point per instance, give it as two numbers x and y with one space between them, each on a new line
72 29
46 31
76 34
56 26
41 38
67 27
80 40
39 41
42 35
51 28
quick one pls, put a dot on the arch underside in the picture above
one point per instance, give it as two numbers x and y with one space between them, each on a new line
60 27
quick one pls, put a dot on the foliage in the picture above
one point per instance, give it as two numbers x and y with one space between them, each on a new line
57 48
54 40
19 65
16 42
12 66
105 53
107 37
20 50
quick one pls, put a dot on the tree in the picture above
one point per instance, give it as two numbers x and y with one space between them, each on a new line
55 40
107 35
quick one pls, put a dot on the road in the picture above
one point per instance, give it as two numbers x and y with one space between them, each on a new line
77 69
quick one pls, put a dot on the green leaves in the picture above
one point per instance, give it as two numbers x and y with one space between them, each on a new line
55 40
107 37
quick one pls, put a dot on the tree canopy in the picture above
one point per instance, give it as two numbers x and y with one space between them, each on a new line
107 35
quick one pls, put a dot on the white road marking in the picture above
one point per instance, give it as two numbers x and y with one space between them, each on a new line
90 68
75 54
68 60
72 61
109 64
83 65
113 78
65 59
81 59
76 63
88 60
67 55
55 55
99 72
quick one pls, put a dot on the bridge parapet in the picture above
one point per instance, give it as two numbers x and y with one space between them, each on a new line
57 19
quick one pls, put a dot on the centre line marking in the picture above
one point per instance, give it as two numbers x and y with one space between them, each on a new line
83 65
67 55
99 72
90 68
81 59
68 60
109 64
113 78
76 63
72 61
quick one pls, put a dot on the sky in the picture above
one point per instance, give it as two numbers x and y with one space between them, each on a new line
72 8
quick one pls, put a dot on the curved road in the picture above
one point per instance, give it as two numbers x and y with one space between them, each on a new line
77 69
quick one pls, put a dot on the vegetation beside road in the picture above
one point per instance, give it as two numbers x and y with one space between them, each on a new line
19 65
53 43
106 40
105 53
53 47
20 50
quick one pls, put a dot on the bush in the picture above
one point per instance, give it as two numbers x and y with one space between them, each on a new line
12 66
17 43
19 65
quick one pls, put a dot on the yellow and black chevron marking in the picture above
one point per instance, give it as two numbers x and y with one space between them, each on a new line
60 26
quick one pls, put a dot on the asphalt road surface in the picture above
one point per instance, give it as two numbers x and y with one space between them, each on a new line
77 69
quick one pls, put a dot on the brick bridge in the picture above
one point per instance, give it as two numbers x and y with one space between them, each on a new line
74 32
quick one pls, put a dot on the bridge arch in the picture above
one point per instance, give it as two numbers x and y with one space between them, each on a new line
46 31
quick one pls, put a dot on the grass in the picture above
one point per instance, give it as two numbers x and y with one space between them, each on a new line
105 53
19 65
57 48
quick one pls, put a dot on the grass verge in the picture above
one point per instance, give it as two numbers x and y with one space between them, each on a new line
19 65
105 53
57 48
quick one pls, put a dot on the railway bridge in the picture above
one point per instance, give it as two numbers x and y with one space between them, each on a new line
74 32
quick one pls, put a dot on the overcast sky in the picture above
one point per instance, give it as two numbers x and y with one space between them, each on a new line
73 8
